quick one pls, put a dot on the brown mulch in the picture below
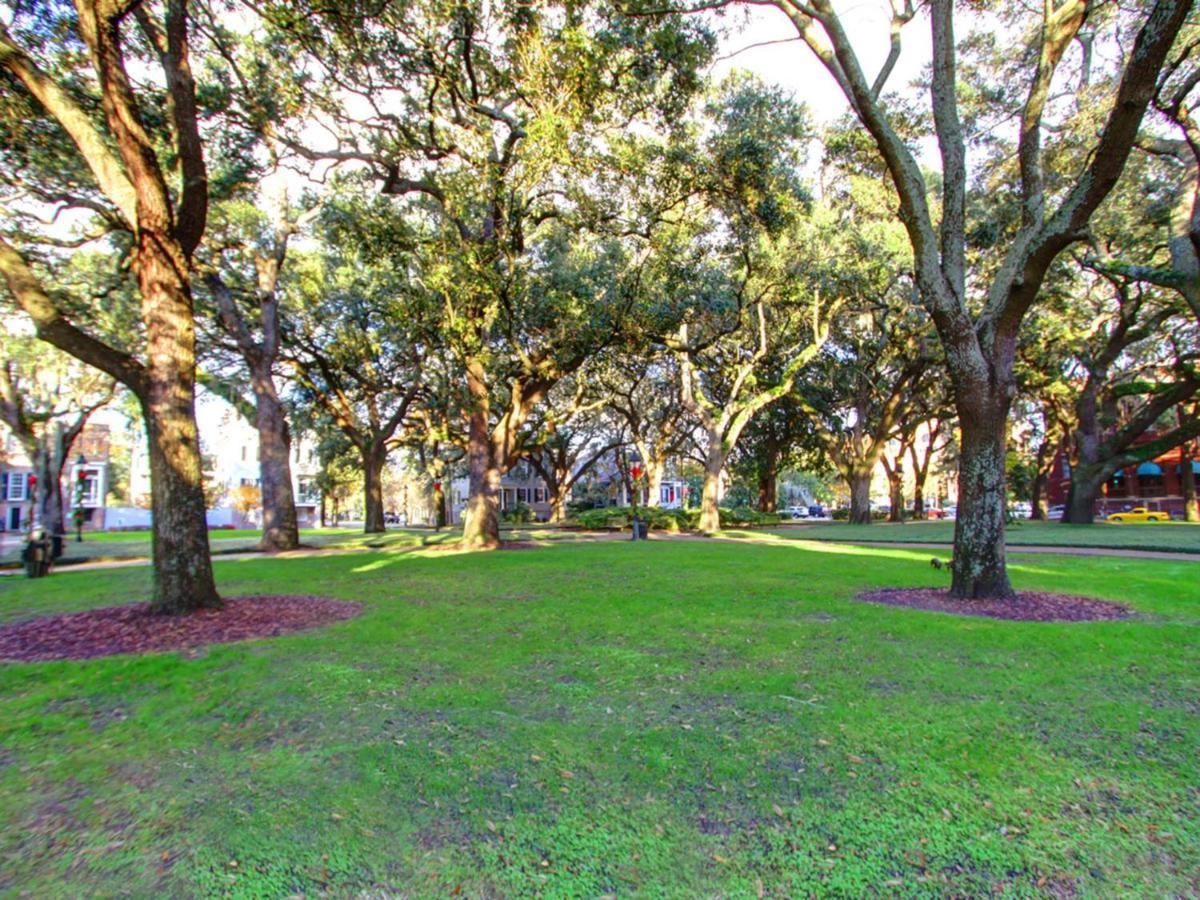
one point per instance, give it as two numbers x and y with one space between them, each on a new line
134 629
1026 606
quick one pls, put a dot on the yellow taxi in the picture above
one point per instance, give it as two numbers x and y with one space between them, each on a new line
1139 514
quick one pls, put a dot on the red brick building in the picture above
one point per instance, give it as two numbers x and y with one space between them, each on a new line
1156 485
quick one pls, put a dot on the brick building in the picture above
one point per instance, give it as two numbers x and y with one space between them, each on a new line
1156 485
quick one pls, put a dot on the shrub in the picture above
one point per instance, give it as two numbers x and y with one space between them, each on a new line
520 514
746 515
841 515
672 520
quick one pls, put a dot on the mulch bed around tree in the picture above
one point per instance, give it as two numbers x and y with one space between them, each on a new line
1027 606
133 629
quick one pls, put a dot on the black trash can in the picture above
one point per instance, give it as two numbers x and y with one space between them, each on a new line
56 546
639 527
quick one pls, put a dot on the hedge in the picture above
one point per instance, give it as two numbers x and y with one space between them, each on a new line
673 520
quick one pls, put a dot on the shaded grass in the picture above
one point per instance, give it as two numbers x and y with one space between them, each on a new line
114 545
1181 537
669 719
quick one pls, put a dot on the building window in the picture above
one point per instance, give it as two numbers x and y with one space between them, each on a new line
1150 480
306 492
18 482
522 495
91 489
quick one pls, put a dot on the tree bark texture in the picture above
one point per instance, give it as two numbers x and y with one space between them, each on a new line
710 515
980 569
481 522
859 482
374 456
768 476
279 527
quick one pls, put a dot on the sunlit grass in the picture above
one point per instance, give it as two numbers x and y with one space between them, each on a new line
671 718
1176 536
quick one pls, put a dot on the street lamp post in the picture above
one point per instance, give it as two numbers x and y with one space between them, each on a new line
635 473
80 484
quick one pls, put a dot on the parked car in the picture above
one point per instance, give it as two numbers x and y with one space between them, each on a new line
1056 512
935 513
817 511
797 512
950 512
1139 514
1021 510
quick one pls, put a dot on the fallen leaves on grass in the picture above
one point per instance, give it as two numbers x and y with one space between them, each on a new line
134 629
1026 606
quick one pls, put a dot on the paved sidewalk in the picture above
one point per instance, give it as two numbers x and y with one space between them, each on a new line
585 537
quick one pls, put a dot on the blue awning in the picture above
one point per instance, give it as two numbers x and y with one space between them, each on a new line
1149 468
1195 467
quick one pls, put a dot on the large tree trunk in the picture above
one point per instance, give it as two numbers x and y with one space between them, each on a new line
1037 509
481 521
768 475
439 505
558 505
896 497
373 459
50 460
183 576
918 496
860 497
1191 510
980 570
710 515
280 531
1086 485
1087 476
655 472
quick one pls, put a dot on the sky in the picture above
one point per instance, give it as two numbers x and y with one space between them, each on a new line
792 65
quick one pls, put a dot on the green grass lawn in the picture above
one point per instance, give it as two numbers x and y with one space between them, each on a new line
107 545
113 545
663 719
1176 536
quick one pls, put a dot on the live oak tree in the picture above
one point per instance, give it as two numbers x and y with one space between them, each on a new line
978 303
1045 396
931 441
568 438
101 116
248 254
864 392
641 384
46 399
508 115
354 347
769 446
867 387
729 289
1135 360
